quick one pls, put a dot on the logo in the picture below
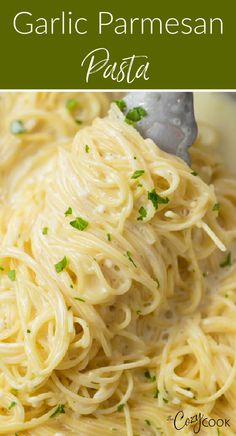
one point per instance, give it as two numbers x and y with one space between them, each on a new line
197 421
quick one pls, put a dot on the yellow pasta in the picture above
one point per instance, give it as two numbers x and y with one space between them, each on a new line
117 280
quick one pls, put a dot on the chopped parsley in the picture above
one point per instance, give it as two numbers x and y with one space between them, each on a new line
79 299
109 236
71 104
28 331
17 127
68 211
137 174
61 265
79 223
69 307
156 199
165 400
1 268
138 312
150 377
156 393
120 407
121 104
14 391
216 206
87 149
128 254
129 122
147 422
45 230
78 121
13 404
12 275
142 213
194 173
60 409
135 114
227 261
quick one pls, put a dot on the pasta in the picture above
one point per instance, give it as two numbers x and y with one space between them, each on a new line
117 281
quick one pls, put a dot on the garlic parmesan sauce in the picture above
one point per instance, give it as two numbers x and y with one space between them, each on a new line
219 110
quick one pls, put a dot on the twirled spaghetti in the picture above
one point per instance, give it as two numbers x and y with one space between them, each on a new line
117 282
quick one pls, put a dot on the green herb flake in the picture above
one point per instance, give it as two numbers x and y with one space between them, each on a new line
121 104
156 393
69 307
79 299
165 400
114 429
147 422
147 374
1 268
156 199
194 173
216 206
61 265
129 255
17 434
14 391
28 331
109 236
150 377
136 114
87 149
131 123
13 404
68 211
17 127
138 312
71 286
227 261
142 213
71 104
78 121
60 409
12 275
218 432
137 174
79 223
120 407
45 230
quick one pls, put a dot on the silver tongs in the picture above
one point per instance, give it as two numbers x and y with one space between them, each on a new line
167 118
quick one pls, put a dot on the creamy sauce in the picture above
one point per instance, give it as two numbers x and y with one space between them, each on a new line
219 110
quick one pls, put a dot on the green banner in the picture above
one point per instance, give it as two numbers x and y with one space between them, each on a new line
70 44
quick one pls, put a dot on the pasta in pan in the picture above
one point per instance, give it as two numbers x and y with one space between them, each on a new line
117 281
